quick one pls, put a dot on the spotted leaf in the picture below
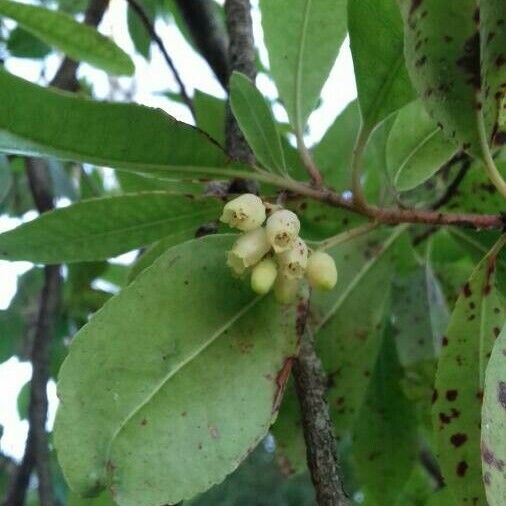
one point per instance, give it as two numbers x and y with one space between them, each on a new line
475 324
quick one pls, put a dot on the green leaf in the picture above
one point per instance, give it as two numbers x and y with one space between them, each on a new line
24 401
493 447
102 500
417 148
477 194
210 115
79 41
287 432
493 61
475 324
96 229
23 44
170 387
376 38
303 38
44 122
348 322
334 152
157 249
385 438
138 33
442 54
257 123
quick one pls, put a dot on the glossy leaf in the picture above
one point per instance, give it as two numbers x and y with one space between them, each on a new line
303 38
385 443
77 40
101 228
170 387
376 37
257 123
475 324
43 122
442 54
493 445
348 322
417 148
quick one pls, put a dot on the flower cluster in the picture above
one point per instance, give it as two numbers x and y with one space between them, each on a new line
277 257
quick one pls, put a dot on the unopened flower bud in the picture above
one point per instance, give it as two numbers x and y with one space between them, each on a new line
282 230
293 262
248 250
246 212
321 271
286 289
263 276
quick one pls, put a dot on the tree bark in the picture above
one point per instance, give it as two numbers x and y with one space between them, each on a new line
241 56
321 452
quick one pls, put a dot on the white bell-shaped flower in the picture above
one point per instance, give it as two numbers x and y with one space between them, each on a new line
263 276
248 250
293 262
246 212
321 271
282 230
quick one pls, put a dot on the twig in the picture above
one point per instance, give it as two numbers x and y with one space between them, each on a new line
207 34
144 18
241 55
310 385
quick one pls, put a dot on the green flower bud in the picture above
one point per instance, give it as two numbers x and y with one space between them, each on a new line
246 212
263 276
282 230
248 250
321 271
286 289
293 262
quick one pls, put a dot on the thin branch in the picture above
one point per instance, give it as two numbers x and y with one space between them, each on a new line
148 25
241 56
310 385
208 34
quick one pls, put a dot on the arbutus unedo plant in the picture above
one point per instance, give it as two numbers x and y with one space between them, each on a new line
305 320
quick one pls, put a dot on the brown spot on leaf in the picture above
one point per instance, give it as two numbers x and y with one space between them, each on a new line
214 432
466 290
451 395
144 422
462 467
470 60
458 439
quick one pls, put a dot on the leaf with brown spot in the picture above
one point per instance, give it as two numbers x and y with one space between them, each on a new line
348 322
445 34
385 445
493 62
494 424
461 368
